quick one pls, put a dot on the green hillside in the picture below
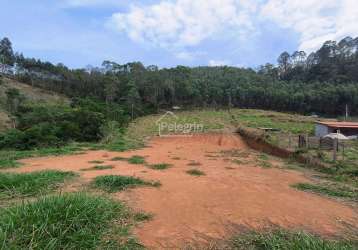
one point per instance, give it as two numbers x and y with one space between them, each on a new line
30 94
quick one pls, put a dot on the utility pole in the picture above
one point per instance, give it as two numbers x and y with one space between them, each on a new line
347 114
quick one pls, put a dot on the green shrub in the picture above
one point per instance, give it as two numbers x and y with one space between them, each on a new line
52 126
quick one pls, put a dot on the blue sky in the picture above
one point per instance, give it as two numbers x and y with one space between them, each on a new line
173 32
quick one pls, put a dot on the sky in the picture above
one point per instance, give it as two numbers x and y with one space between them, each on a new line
167 33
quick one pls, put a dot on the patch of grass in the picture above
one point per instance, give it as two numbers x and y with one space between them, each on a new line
332 190
195 172
160 166
194 163
263 157
238 162
285 240
141 216
96 162
68 221
118 158
235 153
8 158
136 159
31 184
114 183
98 167
8 163
265 164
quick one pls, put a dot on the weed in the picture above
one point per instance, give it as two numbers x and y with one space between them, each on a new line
114 183
195 172
31 184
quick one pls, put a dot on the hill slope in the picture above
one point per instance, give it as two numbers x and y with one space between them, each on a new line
31 94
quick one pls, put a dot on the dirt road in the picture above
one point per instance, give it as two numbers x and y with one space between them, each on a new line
234 190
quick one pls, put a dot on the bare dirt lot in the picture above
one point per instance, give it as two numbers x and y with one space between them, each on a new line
237 189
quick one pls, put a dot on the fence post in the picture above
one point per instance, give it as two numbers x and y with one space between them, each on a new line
335 147
289 141
307 141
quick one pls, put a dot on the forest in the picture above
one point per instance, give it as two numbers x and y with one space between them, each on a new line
323 82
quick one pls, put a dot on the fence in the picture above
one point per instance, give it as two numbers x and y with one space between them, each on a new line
333 148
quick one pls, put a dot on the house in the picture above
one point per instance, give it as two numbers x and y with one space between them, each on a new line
345 128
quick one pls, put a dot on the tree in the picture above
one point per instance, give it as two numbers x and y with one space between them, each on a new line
6 53
284 62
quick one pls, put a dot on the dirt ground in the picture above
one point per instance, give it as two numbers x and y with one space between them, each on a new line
192 208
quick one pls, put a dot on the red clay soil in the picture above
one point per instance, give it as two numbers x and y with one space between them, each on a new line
190 208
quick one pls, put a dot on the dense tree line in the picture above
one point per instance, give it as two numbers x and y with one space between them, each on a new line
323 82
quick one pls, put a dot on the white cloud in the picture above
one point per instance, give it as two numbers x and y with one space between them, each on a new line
184 23
315 20
214 63
177 25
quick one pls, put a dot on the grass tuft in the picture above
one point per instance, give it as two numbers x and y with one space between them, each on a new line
118 158
31 184
136 159
194 163
195 172
160 166
281 239
98 167
335 191
68 221
114 183
7 163
96 162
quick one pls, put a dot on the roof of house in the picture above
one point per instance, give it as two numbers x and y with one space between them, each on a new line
340 124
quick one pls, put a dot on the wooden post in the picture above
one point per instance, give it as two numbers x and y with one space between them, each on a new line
289 141
307 141
335 147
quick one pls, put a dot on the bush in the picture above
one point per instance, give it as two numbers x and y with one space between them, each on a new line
52 126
